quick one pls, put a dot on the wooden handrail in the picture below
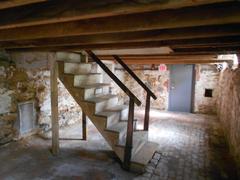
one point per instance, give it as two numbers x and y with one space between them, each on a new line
113 77
149 92
120 61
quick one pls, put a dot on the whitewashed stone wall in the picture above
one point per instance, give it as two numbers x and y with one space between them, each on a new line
207 77
37 86
228 108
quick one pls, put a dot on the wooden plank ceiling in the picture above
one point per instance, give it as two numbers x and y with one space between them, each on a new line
188 28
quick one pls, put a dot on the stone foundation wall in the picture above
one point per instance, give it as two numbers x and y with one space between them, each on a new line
228 108
37 67
7 106
29 79
207 77
157 81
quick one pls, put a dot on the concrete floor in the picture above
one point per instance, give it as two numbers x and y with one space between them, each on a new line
190 147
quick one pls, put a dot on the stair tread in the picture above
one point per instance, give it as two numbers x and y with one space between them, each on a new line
110 111
81 74
101 98
76 63
145 153
117 108
94 85
118 127
136 135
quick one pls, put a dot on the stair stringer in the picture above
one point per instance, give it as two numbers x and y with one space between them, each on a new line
89 109
145 149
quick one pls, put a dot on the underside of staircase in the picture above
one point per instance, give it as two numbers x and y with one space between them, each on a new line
85 83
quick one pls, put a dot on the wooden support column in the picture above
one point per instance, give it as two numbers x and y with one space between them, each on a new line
238 56
84 126
54 108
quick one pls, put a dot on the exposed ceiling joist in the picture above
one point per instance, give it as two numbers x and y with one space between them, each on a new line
175 44
167 61
220 33
72 10
15 3
179 18
153 56
208 50
181 43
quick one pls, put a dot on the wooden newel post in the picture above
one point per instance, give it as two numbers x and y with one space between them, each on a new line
84 126
54 108
129 139
147 110
238 56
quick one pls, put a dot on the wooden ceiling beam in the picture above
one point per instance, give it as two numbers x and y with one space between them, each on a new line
159 57
176 44
206 50
180 50
208 32
72 10
15 3
167 19
167 61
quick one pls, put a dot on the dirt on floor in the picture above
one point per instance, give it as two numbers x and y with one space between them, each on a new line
191 146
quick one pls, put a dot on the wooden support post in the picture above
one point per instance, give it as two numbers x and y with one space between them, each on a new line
54 108
84 126
129 139
238 56
147 110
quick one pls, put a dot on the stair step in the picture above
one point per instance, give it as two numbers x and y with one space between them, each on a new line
116 108
141 158
93 90
111 111
113 114
76 68
69 57
138 135
119 127
139 138
84 74
102 98
87 78
94 85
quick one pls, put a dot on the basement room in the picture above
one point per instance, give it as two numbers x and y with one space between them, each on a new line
114 89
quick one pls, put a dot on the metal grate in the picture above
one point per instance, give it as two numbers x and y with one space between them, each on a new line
26 121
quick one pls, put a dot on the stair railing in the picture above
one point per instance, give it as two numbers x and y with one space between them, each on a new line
149 92
133 99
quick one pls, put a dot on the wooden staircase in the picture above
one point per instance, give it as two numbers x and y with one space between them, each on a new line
113 120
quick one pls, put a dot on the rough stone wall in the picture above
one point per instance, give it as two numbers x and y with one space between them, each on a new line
7 106
228 108
207 77
157 81
30 80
